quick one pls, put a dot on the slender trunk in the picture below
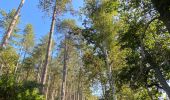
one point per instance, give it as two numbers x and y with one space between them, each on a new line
49 85
158 73
162 80
12 25
103 91
63 89
47 89
67 93
74 97
37 77
58 93
159 76
70 92
16 68
51 89
109 73
78 95
53 95
27 75
1 67
20 70
48 52
78 91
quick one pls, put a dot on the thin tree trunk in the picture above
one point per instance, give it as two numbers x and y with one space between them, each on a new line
74 97
162 80
1 67
48 52
158 73
67 93
78 92
20 70
58 93
63 88
103 91
47 90
12 25
70 92
37 77
27 75
78 95
16 68
53 95
109 73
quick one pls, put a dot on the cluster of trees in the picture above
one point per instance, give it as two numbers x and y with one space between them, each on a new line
123 46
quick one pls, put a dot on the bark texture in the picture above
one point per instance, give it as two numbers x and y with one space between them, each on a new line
63 88
109 72
12 25
48 52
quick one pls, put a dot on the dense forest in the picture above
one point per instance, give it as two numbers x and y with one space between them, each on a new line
120 50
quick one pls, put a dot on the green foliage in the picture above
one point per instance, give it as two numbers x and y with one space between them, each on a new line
11 90
67 25
8 59
145 40
39 50
47 5
5 21
28 39
124 45
127 93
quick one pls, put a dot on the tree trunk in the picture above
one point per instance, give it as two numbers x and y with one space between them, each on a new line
27 74
74 93
12 25
37 77
20 70
159 75
16 68
53 94
47 89
70 92
48 52
162 81
63 88
1 67
162 6
109 70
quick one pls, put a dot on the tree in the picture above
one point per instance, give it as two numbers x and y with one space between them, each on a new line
101 33
153 7
28 39
39 53
47 58
46 5
163 8
5 20
143 38
12 25
66 27
27 43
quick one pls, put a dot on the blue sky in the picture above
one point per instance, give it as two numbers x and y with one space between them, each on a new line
31 14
